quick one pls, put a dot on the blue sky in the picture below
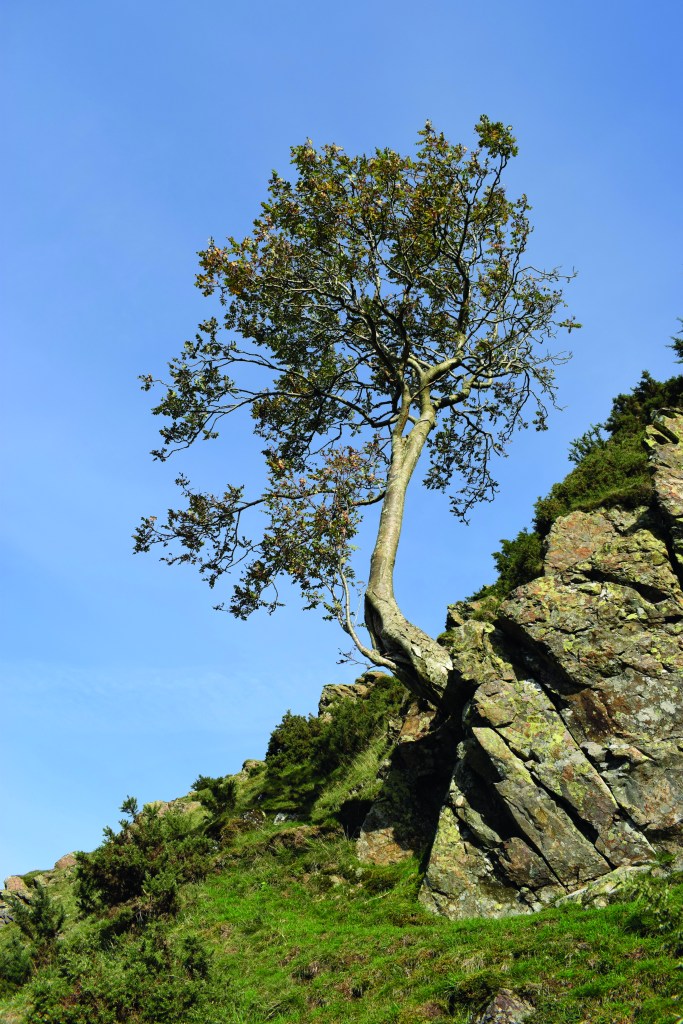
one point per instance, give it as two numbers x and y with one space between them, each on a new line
133 132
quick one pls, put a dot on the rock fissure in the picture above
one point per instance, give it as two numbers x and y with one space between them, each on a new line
583 826
652 594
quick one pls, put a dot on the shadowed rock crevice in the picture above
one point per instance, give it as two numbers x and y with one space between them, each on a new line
402 820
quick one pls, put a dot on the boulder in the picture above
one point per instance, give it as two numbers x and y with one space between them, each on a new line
16 886
505 1008
568 774
401 821
67 861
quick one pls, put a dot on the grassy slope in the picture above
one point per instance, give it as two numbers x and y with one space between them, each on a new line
297 930
293 928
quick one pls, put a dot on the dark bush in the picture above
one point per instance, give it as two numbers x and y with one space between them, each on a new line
303 753
140 867
15 964
147 978
518 561
292 741
218 797
40 920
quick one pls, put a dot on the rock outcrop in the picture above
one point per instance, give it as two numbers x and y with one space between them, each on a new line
567 768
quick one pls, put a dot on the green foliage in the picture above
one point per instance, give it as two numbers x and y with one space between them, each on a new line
589 441
42 919
518 561
632 411
295 930
150 979
383 306
218 797
140 868
613 471
16 964
614 474
657 910
292 742
347 794
305 754
677 340
475 990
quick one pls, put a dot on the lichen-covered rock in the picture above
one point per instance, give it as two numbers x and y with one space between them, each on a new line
16 886
611 653
473 654
664 442
606 890
461 880
505 1008
69 860
569 771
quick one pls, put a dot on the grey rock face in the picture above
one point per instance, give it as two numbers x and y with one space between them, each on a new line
569 770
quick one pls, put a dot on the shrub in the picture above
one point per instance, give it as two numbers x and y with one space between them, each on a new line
147 978
589 441
218 797
610 471
518 561
15 963
304 753
140 867
292 742
657 910
40 920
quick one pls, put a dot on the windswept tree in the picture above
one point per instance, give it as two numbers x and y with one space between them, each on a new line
381 310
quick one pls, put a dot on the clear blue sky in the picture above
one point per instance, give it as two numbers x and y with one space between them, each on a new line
134 131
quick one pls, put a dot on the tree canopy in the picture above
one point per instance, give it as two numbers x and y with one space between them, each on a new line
380 309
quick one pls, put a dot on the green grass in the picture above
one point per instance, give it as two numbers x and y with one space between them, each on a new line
359 781
296 930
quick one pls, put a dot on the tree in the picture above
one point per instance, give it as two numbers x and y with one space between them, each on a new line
380 309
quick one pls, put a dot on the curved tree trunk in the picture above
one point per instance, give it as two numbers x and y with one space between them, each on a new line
422 665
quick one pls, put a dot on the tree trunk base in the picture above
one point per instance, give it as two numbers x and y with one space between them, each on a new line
422 665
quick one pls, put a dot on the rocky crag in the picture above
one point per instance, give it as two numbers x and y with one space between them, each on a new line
559 770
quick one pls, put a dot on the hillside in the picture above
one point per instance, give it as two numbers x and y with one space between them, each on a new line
515 855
